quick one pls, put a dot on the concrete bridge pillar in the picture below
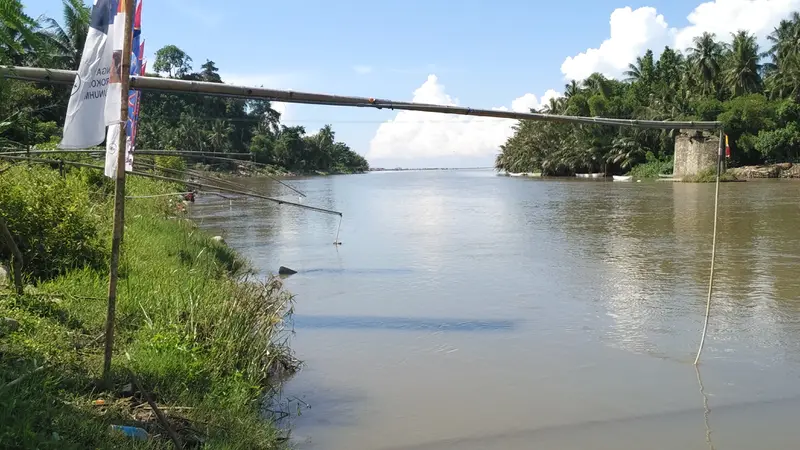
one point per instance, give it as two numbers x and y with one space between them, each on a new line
695 151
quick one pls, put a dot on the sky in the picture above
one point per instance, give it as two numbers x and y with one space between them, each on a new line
501 54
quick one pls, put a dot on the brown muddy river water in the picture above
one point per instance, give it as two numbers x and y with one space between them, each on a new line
470 311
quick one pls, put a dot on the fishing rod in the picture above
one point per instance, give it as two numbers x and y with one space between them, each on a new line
176 180
199 155
17 151
193 175
286 96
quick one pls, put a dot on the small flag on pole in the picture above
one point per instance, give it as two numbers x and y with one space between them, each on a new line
727 148
113 106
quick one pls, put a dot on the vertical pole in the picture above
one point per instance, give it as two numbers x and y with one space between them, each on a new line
119 192
16 256
713 248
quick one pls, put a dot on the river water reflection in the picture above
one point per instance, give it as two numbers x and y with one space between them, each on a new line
466 310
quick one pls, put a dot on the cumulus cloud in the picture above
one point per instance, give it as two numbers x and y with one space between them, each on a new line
415 134
634 31
724 17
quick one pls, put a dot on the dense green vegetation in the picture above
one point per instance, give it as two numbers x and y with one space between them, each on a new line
33 114
194 329
754 92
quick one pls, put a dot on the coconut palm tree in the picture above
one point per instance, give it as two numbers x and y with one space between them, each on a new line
782 74
705 60
596 83
218 136
571 89
785 38
67 42
20 35
555 105
642 70
742 74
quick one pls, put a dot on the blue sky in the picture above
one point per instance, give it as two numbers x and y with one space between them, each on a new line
483 53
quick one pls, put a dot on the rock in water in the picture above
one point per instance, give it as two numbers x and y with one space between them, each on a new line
219 239
286 271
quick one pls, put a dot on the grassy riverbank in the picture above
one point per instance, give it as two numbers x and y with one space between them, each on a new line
200 334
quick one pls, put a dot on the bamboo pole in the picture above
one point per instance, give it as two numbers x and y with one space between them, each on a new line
227 90
16 259
119 193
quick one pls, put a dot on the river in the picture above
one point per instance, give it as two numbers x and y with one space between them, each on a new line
466 310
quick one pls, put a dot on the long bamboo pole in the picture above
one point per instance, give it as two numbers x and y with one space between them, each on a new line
227 90
15 151
119 192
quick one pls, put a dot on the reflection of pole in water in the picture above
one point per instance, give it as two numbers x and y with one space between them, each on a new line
706 408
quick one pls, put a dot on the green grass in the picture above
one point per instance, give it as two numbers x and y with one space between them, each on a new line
652 169
192 323
710 176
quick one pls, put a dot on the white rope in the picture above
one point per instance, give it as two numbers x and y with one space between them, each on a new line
713 254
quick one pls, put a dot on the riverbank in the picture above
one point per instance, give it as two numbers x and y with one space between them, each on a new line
203 337
783 170
246 170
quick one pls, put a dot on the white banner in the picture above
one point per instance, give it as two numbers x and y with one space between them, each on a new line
116 35
84 125
112 152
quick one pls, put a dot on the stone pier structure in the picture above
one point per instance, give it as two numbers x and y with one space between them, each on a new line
695 151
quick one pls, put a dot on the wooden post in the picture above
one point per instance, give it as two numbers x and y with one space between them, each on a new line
119 192
17 260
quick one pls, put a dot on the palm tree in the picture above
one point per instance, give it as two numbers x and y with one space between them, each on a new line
785 38
555 105
743 72
782 74
705 59
20 34
219 136
67 42
572 88
626 151
642 70
596 83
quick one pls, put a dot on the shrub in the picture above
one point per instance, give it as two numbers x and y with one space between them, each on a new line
170 162
709 175
653 167
52 221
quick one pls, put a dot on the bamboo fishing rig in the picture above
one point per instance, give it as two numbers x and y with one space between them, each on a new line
225 90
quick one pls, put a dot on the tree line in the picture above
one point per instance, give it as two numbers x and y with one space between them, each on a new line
754 92
33 114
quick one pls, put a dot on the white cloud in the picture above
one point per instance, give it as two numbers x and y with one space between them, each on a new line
415 134
362 70
282 108
551 93
634 31
724 17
